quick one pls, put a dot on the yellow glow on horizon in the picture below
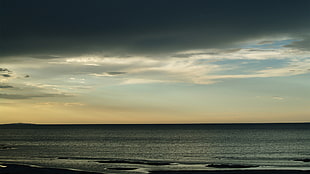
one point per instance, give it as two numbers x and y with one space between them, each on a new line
58 113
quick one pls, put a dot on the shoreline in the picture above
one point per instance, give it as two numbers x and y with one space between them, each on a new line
21 169
232 172
6 168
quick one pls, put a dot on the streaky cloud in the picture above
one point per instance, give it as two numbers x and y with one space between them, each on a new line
5 70
28 96
6 86
6 75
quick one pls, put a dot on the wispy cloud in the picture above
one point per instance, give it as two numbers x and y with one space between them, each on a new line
52 104
265 42
198 66
14 96
141 81
6 86
204 66
244 54
277 98
4 72
29 91
201 68
108 74
6 75
28 96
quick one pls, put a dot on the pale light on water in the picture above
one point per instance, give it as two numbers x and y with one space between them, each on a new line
140 148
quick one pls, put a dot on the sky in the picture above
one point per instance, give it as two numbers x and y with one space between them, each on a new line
176 61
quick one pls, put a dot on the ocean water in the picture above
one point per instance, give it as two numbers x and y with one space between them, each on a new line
143 148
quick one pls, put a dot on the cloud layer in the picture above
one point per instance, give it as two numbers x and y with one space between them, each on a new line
53 29
135 61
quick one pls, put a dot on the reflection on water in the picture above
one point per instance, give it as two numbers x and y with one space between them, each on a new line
138 148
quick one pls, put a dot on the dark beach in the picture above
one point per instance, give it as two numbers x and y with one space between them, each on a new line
234 172
24 169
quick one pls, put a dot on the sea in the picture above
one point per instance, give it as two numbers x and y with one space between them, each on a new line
141 148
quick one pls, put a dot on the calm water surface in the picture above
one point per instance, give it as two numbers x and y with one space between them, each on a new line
141 148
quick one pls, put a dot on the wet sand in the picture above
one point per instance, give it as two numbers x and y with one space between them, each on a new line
234 172
23 169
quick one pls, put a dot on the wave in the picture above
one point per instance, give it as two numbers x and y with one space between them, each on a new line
122 168
6 147
303 160
231 166
143 162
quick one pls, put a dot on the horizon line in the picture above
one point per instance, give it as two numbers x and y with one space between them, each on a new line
51 124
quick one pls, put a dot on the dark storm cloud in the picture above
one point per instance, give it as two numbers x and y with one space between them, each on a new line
52 28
